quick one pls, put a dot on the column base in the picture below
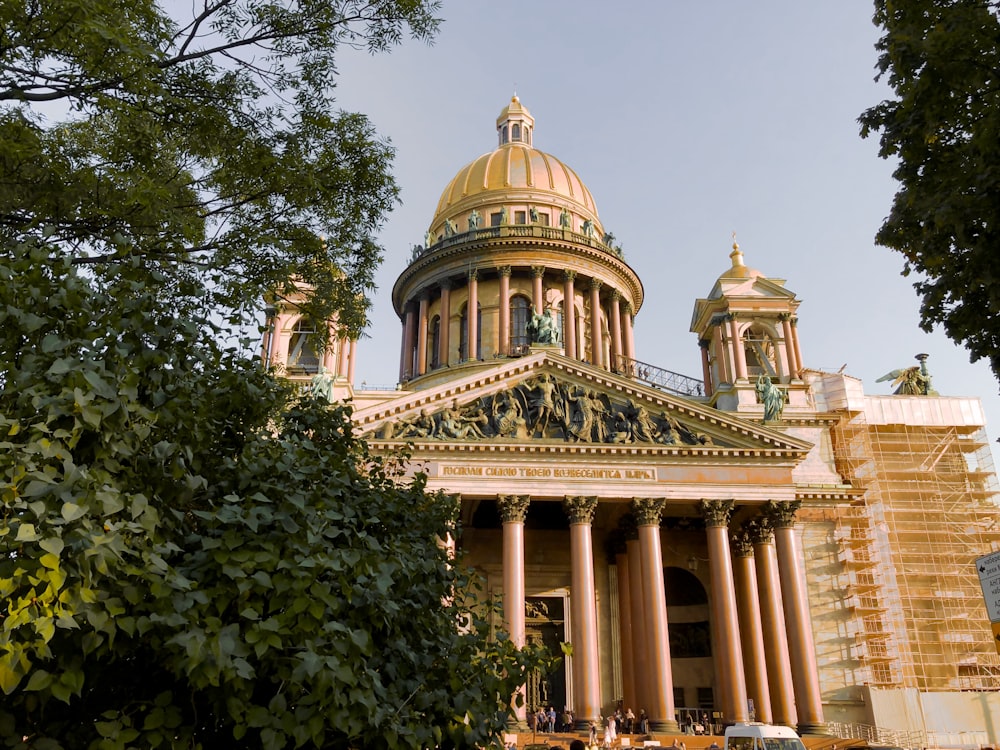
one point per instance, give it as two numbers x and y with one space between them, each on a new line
664 726
819 729
515 724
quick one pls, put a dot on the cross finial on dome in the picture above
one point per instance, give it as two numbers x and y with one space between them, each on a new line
736 255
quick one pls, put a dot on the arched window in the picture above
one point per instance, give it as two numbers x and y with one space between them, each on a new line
302 356
434 341
503 135
463 333
520 314
515 132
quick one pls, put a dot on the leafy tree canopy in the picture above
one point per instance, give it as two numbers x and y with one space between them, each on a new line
205 142
191 557
942 59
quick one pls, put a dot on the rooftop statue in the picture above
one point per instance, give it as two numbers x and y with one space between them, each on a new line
474 220
910 381
543 329
771 396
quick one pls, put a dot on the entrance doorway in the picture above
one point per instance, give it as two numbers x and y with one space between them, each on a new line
545 624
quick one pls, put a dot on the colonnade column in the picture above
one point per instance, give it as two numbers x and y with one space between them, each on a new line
343 356
751 635
425 301
513 511
706 366
537 292
625 618
596 346
786 329
636 589
352 358
779 669
445 330
472 318
504 310
583 607
660 685
628 332
409 331
720 355
569 314
795 342
615 316
727 650
795 600
739 356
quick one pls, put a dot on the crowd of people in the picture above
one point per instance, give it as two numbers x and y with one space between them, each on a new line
606 731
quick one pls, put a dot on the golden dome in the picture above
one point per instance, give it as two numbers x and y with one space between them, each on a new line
738 269
518 178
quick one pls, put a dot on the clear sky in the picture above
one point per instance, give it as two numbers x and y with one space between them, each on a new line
688 121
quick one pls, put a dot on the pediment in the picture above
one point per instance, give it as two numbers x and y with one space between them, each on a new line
549 399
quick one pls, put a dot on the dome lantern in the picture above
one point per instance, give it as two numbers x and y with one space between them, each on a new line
515 124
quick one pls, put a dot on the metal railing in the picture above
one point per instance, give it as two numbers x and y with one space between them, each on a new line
518 230
657 377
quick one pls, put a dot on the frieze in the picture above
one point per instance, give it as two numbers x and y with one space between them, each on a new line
545 409
544 472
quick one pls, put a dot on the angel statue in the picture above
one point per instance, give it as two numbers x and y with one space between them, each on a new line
543 329
911 381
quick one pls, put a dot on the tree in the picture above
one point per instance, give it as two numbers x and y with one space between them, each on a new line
942 59
190 556
204 144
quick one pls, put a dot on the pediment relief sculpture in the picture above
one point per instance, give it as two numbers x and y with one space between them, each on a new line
543 408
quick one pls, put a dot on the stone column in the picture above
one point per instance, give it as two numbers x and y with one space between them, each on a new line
352 358
513 510
472 335
751 634
583 606
625 617
615 316
786 330
795 342
628 332
660 698
739 356
779 668
795 601
504 310
722 371
444 337
726 649
636 592
409 332
344 346
425 301
569 314
537 292
596 345
706 366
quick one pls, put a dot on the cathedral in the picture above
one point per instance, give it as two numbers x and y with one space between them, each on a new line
763 541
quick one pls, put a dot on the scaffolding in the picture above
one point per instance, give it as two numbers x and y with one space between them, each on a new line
909 546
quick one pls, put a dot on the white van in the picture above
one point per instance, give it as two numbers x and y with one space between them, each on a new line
754 735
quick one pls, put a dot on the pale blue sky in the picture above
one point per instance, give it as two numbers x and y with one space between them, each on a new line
687 121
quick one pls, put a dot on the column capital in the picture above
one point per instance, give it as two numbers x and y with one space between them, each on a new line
647 510
424 295
473 274
445 284
731 316
717 512
569 275
628 309
759 530
513 508
596 284
783 316
538 271
580 509
616 294
741 543
504 271
781 515
704 343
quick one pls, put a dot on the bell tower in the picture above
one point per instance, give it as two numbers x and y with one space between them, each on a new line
747 330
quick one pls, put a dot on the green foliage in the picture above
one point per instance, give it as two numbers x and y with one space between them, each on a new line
192 557
942 59
203 143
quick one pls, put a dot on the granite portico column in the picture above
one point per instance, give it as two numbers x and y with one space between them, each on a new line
795 602
472 318
445 330
772 622
569 314
636 593
660 685
620 559
583 607
615 316
596 345
504 305
727 651
513 510
751 634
